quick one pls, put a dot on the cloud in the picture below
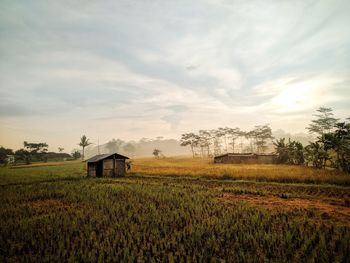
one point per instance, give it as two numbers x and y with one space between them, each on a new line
134 69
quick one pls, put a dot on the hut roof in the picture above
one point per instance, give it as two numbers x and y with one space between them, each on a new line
245 154
100 157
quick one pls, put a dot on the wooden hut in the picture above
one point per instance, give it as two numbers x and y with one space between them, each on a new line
106 165
246 158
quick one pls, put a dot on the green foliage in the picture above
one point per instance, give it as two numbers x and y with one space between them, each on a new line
31 152
4 152
289 153
76 154
315 153
333 144
339 142
22 155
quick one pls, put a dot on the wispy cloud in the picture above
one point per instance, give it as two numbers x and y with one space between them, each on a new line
133 69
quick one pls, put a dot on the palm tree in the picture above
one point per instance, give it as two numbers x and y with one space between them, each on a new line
84 142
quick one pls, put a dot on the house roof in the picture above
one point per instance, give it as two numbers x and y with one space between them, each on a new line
244 154
100 157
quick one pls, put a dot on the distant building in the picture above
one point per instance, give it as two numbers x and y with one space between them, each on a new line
246 158
106 165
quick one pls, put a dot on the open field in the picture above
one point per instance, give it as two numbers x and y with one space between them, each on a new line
206 168
175 210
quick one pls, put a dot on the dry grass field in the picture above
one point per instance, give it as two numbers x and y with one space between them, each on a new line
198 167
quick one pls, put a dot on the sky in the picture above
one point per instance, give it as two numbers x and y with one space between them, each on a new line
133 69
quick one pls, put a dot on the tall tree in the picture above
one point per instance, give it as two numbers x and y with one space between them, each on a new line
261 134
339 142
322 125
190 139
250 136
205 141
324 122
233 135
36 150
84 142
224 133
242 137
216 135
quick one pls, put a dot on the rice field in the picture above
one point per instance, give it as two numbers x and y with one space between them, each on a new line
174 210
206 168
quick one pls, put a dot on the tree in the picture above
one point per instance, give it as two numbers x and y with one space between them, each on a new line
156 153
233 135
204 141
241 136
281 150
60 149
84 142
289 153
223 133
324 123
76 154
36 150
261 134
296 152
4 152
216 135
315 154
190 139
339 142
250 135
22 155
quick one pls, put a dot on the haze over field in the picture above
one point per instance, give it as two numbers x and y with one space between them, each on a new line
133 69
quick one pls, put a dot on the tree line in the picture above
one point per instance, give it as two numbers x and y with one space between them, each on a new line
223 140
34 152
331 148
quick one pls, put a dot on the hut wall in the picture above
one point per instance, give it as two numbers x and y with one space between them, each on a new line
108 167
267 159
234 159
92 169
120 167
247 159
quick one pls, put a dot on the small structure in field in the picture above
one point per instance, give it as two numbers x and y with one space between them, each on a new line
246 158
106 165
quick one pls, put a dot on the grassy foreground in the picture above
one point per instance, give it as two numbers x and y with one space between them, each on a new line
54 214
